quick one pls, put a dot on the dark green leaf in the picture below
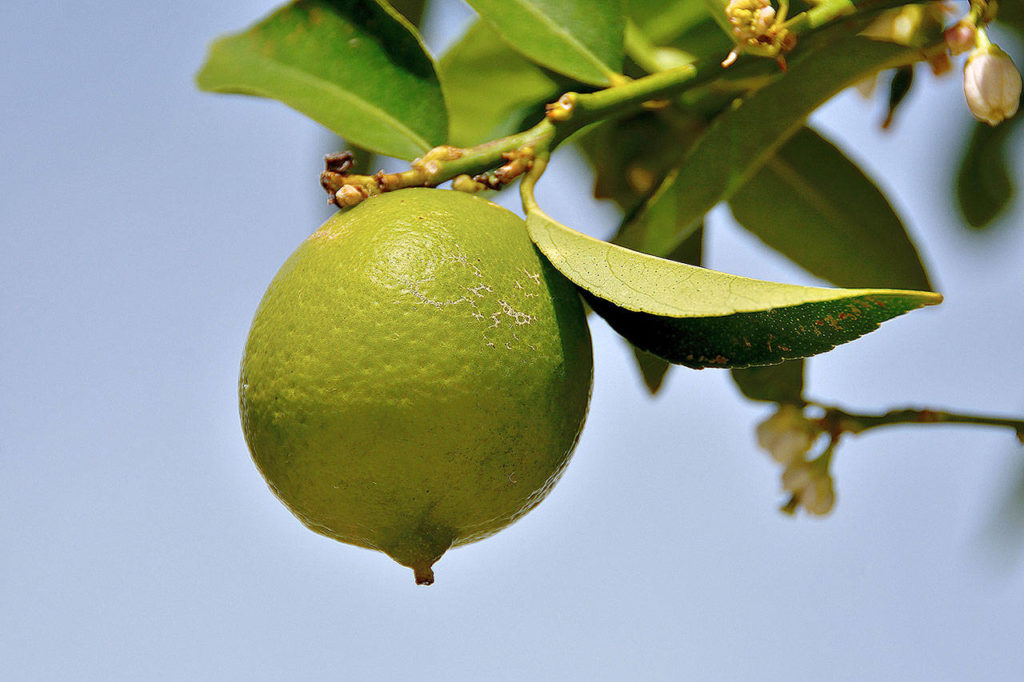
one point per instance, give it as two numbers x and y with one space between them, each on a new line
491 88
815 206
356 66
1011 13
781 383
412 10
579 38
702 318
744 137
652 369
716 8
631 156
984 183
899 87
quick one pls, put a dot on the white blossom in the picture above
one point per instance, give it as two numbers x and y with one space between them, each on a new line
787 434
992 85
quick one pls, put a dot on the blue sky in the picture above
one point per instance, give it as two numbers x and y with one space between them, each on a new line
142 221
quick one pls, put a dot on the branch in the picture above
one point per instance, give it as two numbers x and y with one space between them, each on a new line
494 164
837 421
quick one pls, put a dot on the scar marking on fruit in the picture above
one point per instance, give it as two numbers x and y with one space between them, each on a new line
413 287
519 318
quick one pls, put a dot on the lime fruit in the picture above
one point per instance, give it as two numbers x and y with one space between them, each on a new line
416 376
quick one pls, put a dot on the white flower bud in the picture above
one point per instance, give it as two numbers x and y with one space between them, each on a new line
787 434
810 484
750 19
819 497
992 85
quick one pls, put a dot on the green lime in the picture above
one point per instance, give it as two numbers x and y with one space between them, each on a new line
416 375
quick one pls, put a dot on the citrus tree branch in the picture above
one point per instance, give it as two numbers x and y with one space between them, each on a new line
494 164
837 421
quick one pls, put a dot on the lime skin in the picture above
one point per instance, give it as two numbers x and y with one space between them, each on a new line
416 376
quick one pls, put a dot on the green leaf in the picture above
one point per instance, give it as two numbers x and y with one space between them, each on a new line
356 66
664 20
1011 14
653 368
984 183
740 140
702 318
813 205
412 10
781 383
579 38
716 8
631 156
491 88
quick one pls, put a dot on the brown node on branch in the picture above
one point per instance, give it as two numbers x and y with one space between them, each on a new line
340 162
336 166
517 163
488 180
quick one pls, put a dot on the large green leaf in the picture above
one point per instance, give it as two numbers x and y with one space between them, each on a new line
702 318
579 38
740 140
491 88
653 368
814 206
356 66
984 183
629 157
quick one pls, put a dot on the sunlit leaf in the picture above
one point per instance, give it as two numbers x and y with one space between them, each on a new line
356 66
816 207
491 88
702 318
740 140
579 38
653 368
